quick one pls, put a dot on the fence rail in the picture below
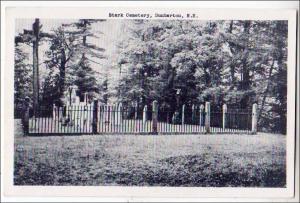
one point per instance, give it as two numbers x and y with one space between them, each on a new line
98 119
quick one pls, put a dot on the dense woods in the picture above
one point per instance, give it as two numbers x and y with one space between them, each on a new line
234 62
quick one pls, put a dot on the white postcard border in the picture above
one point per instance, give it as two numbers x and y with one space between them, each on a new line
118 191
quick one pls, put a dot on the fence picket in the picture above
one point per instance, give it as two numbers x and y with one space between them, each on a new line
114 118
74 118
70 119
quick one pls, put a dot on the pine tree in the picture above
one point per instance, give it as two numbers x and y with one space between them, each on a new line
69 44
85 79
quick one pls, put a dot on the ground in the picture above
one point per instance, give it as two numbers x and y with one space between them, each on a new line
216 160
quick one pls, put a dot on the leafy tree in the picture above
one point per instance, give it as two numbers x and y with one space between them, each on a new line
233 62
273 97
22 78
33 38
63 51
51 91
71 54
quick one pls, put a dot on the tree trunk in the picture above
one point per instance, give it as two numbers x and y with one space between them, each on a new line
282 88
207 77
84 37
245 69
266 92
232 67
36 30
62 74
245 78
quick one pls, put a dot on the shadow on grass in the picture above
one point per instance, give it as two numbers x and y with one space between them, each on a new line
188 171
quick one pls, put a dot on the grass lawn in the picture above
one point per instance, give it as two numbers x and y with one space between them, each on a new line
218 160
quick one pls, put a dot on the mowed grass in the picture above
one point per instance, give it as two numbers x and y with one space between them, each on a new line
220 160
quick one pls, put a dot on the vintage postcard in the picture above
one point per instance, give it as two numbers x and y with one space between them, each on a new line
149 102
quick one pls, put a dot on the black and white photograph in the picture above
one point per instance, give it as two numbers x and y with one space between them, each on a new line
175 102
151 99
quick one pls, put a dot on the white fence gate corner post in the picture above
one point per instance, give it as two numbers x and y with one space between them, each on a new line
207 117
224 116
254 119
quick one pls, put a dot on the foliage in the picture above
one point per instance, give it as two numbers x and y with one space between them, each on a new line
233 62
70 54
22 78
85 78
175 62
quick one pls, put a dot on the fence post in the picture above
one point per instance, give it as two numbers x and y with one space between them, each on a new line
54 111
135 110
154 116
60 113
254 119
70 110
207 117
95 116
63 114
201 114
25 117
145 114
120 114
182 115
224 116
85 98
193 114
